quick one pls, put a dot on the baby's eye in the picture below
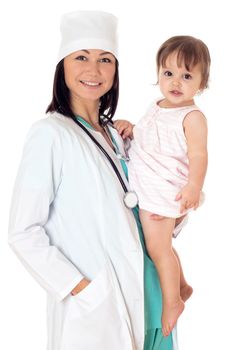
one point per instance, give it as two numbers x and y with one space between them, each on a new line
167 73
105 60
187 76
81 58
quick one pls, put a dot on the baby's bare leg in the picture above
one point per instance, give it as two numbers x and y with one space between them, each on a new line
185 289
158 238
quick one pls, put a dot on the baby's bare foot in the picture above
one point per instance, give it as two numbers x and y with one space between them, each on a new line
186 292
171 313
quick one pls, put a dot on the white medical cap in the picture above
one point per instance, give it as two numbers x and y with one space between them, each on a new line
88 30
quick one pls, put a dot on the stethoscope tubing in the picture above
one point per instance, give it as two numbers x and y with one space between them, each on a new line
104 152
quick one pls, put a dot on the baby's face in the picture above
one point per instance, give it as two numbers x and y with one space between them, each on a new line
177 84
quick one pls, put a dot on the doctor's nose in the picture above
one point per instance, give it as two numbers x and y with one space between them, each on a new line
93 67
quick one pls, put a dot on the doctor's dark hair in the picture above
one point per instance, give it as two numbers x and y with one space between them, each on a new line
61 97
190 51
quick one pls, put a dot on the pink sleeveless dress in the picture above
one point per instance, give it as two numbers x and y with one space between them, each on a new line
158 166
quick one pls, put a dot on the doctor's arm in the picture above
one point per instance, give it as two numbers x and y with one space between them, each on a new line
36 186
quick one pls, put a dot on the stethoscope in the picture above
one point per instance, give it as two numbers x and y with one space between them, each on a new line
130 197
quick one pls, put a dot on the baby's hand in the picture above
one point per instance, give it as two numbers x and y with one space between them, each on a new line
124 128
189 196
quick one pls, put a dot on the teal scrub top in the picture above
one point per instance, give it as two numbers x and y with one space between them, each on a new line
154 339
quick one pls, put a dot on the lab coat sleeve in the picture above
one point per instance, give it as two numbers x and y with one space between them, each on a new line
36 185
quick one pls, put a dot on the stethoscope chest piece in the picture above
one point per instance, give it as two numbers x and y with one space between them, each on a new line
130 199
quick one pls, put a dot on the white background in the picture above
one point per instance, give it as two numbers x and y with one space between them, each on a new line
208 246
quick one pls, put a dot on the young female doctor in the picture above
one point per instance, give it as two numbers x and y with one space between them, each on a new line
71 222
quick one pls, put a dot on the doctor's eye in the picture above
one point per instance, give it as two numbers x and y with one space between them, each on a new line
105 60
81 58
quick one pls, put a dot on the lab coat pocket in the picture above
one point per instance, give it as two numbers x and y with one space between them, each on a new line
91 296
94 318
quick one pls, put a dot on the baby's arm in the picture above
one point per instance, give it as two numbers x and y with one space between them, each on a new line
195 129
124 128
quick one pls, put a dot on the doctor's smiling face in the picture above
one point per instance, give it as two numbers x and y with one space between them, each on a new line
89 74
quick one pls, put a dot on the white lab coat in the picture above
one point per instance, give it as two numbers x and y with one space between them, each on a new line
68 221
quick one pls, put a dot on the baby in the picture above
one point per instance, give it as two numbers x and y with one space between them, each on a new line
168 162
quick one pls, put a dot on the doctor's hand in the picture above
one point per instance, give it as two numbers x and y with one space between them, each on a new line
80 286
124 128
